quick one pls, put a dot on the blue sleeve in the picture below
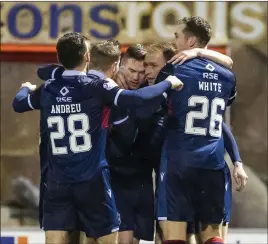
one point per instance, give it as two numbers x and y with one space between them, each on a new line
139 98
49 71
230 144
25 101
151 107
111 94
233 94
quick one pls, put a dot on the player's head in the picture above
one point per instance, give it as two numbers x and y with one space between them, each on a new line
192 32
105 57
73 51
156 58
133 67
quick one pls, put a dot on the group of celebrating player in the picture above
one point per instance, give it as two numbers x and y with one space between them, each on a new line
108 121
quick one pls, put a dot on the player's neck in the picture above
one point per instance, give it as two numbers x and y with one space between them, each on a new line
107 73
80 68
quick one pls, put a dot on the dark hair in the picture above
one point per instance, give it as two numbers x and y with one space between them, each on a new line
136 51
168 49
71 49
198 27
104 54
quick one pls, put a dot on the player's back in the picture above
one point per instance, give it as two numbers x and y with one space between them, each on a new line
195 126
74 118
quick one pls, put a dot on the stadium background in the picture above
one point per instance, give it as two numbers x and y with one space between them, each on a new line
29 31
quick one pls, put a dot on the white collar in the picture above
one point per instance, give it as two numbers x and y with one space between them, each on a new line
73 73
100 74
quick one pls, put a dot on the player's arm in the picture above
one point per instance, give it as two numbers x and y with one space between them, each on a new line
203 53
27 99
49 71
155 93
232 96
230 144
151 107
216 57
138 98
233 93
229 140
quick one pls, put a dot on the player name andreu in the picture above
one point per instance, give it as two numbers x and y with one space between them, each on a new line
66 108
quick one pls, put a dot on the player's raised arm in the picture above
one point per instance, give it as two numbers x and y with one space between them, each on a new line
214 56
139 98
27 99
49 71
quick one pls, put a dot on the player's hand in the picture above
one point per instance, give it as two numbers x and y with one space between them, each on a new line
120 80
181 57
29 85
240 176
175 82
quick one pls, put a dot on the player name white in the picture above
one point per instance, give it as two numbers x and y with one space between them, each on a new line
66 108
209 86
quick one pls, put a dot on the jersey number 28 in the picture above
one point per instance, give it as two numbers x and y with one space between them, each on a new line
203 114
60 133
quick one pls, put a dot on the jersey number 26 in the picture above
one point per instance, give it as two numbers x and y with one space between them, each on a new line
203 114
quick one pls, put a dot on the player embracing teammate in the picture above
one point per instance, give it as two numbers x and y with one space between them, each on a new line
192 176
74 117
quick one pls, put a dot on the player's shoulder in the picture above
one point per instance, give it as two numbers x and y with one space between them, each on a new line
100 80
213 66
50 71
94 76
57 71
199 62
89 79
204 64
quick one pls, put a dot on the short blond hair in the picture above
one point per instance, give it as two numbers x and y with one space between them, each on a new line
168 49
104 54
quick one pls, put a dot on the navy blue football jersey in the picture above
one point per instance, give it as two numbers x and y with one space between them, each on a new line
135 140
72 105
195 124
77 120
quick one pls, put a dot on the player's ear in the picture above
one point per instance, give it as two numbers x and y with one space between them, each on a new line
192 41
58 59
115 67
87 57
